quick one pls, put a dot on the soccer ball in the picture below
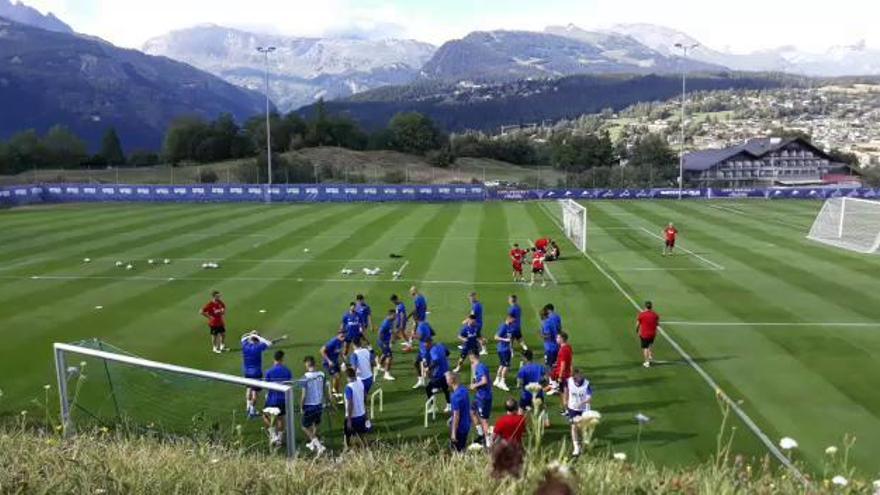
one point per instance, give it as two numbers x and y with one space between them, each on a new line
119 263
204 265
151 261
395 274
166 261
87 260
129 266
306 250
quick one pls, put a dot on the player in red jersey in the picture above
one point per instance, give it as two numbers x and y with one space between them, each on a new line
542 244
538 267
512 426
562 369
517 256
214 311
647 323
669 234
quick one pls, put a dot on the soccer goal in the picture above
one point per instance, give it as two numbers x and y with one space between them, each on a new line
100 385
574 222
848 223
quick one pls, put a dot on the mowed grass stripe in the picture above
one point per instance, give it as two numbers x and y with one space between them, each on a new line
159 236
602 320
747 378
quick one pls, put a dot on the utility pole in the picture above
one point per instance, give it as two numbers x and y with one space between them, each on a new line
266 50
684 53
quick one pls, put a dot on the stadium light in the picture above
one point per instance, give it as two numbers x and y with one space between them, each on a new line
266 50
684 53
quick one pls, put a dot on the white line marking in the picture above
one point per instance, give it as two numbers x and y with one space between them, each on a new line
400 270
686 250
655 269
699 369
145 278
769 217
772 324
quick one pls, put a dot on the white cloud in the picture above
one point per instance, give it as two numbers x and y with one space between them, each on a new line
743 26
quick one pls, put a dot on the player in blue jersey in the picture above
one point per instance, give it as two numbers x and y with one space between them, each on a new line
437 367
425 334
477 311
400 318
365 314
361 360
356 422
351 325
312 400
530 373
554 317
330 356
460 423
548 335
383 343
482 406
468 338
505 353
252 348
515 312
275 408
419 313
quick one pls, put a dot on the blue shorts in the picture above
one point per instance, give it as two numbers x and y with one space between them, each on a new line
516 334
351 337
550 356
311 416
368 384
460 442
469 348
525 400
504 358
571 414
254 374
332 369
480 331
385 348
358 426
482 407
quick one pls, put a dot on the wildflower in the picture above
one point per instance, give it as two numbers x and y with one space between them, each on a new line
839 480
642 419
47 387
104 429
215 461
831 450
788 443
100 491
619 456
24 413
82 364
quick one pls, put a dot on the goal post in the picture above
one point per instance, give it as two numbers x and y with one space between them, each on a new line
848 223
574 222
178 381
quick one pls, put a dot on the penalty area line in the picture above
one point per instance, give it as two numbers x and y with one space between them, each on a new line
772 324
353 280
746 419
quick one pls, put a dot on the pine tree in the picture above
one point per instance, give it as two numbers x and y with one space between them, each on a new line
111 148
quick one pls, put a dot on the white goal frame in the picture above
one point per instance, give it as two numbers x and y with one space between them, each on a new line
570 206
61 350
816 234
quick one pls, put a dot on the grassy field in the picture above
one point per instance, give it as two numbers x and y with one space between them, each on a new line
786 326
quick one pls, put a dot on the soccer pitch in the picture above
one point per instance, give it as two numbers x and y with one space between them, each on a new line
789 327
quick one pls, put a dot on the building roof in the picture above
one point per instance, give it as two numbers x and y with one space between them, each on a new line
753 148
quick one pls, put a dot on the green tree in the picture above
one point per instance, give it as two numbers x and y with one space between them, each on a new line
654 160
413 132
111 148
64 149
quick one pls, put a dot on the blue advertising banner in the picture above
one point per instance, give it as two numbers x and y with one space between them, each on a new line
232 193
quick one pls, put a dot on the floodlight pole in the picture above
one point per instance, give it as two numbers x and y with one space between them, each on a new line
684 51
266 50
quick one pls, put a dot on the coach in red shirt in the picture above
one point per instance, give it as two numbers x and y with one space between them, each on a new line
646 327
512 426
214 311
562 369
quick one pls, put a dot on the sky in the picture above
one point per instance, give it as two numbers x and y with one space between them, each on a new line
740 26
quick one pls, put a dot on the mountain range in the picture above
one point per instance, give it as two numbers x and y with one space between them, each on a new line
20 12
49 77
302 69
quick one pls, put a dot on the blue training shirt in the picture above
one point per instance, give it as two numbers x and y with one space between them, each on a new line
400 315
477 310
252 357
549 332
503 332
484 392
438 361
351 323
385 331
363 312
421 307
557 321
461 403
470 333
278 373
516 312
333 348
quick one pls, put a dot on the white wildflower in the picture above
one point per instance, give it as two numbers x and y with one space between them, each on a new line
839 480
642 419
788 443
619 456
831 450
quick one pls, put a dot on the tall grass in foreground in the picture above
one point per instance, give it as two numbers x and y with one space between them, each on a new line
107 462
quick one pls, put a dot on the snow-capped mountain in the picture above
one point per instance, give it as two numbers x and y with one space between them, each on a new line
561 51
30 16
857 59
302 69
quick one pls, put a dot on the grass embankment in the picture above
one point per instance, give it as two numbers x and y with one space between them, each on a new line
107 463
371 166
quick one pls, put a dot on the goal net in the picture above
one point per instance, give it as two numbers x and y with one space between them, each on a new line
574 222
102 386
848 223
